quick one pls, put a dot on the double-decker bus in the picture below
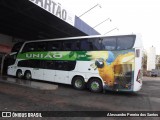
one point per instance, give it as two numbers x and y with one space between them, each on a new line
94 62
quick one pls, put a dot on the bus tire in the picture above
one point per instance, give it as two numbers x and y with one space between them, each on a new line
19 74
28 75
78 83
95 85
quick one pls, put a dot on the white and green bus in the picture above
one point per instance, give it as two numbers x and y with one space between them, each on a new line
94 62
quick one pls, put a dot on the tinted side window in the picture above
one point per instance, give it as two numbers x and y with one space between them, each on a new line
23 63
125 42
35 63
109 43
54 46
29 47
71 65
60 65
86 45
82 44
41 46
75 45
49 64
72 45
95 43
65 65
67 45
30 63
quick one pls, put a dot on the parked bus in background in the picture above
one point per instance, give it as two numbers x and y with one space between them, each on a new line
9 59
96 62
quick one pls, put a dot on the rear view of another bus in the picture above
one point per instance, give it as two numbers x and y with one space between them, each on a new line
10 58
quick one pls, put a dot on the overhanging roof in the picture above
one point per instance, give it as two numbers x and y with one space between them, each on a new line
23 19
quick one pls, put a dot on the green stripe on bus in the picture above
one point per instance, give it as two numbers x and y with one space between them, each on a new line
65 55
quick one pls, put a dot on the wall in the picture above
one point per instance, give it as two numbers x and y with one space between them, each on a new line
6 43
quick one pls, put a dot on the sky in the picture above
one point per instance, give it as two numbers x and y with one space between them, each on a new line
127 16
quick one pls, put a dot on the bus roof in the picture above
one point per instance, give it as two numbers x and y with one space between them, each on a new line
79 37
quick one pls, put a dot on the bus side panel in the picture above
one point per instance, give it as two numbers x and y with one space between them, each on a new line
138 67
116 68
86 69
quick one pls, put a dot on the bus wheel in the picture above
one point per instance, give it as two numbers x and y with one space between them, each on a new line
27 75
19 74
78 83
95 85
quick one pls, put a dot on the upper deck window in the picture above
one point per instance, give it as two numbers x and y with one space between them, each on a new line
54 46
88 44
29 47
109 43
125 42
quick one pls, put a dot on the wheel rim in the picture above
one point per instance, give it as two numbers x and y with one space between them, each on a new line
95 85
78 83
19 74
28 75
